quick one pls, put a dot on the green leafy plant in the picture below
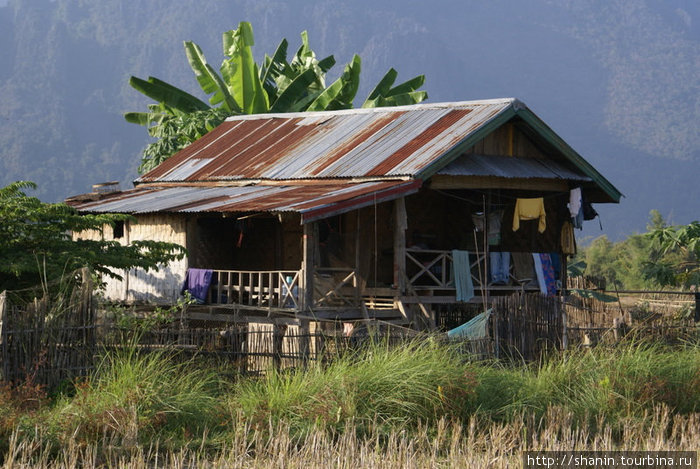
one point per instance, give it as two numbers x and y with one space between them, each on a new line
242 87
36 242
161 316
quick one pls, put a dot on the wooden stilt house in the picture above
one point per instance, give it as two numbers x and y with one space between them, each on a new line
387 212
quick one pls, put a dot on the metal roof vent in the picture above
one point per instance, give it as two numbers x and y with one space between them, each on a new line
105 187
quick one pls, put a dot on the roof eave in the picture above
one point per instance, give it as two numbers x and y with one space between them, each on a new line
519 109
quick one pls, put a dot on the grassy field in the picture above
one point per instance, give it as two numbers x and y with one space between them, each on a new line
415 406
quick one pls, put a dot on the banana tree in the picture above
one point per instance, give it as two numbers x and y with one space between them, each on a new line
241 87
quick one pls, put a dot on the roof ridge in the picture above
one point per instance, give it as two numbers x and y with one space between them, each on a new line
515 102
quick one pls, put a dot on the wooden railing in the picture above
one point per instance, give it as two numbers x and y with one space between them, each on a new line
271 289
432 268
336 287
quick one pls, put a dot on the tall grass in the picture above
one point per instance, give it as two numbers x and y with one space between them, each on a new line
421 400
421 381
610 386
137 398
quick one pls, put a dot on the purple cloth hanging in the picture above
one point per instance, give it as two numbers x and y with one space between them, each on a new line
197 282
548 272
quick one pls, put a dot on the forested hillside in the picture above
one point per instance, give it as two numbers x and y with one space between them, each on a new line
618 79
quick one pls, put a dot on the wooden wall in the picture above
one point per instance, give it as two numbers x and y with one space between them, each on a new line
506 140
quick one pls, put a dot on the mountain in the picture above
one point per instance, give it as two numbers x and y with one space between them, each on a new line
617 79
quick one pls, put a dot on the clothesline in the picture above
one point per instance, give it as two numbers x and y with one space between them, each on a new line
495 204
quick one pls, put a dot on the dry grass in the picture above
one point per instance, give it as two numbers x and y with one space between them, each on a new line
417 406
477 443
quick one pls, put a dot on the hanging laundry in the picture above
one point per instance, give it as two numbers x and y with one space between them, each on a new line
523 268
568 242
576 207
494 227
499 262
476 328
197 282
530 209
545 273
539 272
461 266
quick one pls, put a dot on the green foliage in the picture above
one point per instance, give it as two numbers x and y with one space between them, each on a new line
36 242
663 256
594 386
175 132
675 255
139 397
241 87
388 387
162 316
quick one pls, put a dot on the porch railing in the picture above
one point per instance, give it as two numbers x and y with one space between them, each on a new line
336 287
271 289
432 268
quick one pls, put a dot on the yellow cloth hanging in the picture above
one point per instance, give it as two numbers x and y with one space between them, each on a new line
529 209
568 242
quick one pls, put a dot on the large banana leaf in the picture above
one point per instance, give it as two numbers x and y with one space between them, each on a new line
383 86
297 90
241 72
140 118
272 68
403 94
157 113
407 86
164 92
208 79
340 94
405 99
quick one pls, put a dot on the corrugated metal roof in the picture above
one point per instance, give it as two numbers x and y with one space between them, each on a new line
330 161
356 143
312 201
510 167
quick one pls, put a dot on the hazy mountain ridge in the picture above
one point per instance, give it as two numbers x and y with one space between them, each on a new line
617 79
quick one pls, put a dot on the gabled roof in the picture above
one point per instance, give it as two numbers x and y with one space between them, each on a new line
409 142
322 163
355 143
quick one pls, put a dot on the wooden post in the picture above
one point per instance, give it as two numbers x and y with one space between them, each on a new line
617 329
307 266
697 306
400 225
564 330
278 331
3 340
3 305
304 340
562 303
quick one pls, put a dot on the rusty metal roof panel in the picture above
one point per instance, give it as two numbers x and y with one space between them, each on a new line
319 200
378 142
510 167
445 138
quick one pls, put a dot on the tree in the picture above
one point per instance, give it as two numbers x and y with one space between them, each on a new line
663 256
36 242
241 87
675 256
